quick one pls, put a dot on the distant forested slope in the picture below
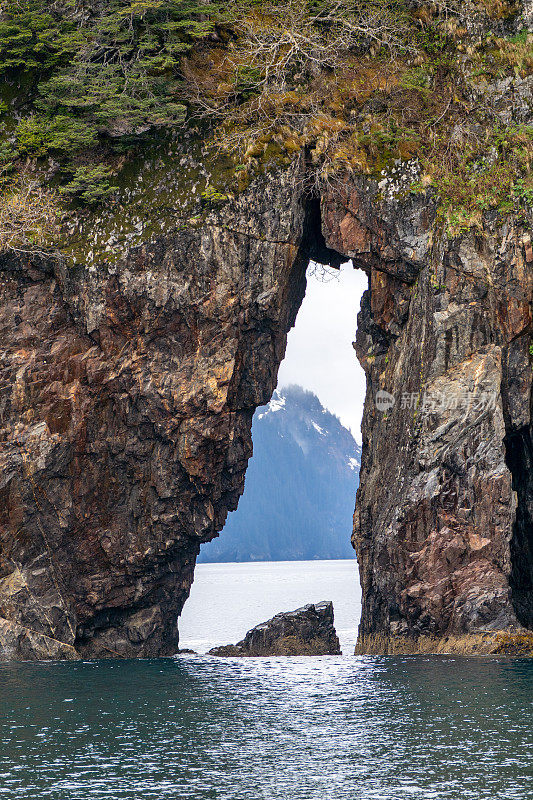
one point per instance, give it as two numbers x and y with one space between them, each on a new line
300 486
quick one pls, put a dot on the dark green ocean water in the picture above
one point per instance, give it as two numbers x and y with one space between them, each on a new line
278 729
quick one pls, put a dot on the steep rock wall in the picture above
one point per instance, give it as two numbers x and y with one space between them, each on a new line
127 398
128 390
442 524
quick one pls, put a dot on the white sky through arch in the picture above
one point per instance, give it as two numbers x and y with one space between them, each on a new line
320 356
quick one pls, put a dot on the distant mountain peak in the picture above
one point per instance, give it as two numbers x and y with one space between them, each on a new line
300 485
277 403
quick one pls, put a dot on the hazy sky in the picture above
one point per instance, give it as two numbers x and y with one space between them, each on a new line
320 356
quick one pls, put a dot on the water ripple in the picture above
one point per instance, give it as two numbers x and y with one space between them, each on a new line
280 729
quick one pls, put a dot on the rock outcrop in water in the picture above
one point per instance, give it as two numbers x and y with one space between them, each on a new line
127 398
129 378
308 631
442 527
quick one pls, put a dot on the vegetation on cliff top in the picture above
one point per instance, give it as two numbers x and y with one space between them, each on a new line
409 81
360 84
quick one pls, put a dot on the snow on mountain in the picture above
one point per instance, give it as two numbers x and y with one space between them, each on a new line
300 486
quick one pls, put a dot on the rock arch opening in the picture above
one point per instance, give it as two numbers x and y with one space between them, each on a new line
126 429
301 482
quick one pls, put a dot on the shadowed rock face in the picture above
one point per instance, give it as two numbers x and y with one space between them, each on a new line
127 393
308 631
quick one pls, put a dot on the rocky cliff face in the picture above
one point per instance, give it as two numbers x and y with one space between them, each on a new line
127 398
442 526
128 388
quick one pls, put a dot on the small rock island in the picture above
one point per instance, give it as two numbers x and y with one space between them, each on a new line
307 631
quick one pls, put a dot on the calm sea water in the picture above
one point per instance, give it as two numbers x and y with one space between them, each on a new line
345 728
227 600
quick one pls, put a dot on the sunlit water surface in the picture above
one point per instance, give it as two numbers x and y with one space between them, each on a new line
198 727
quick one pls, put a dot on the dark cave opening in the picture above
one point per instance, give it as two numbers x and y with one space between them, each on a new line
519 447
317 249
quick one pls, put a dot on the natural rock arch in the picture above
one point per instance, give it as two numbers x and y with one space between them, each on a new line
129 392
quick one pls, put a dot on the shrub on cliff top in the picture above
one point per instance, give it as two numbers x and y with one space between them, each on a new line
89 184
81 76
29 216
113 66
357 83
